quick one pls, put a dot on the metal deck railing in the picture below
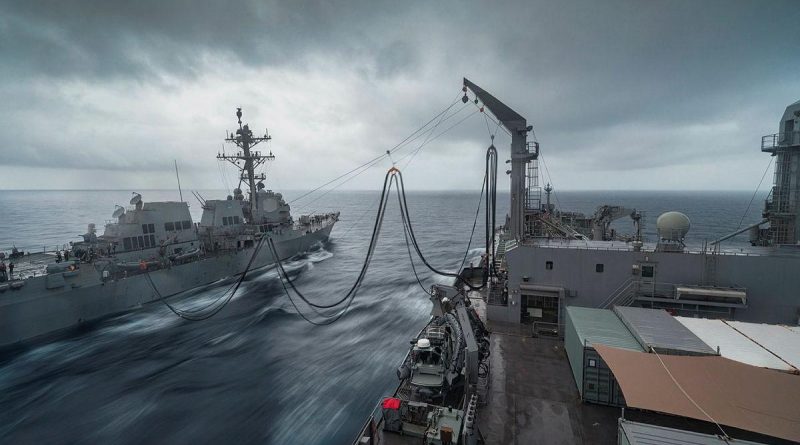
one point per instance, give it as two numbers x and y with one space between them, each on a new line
648 248
622 295
496 296
771 142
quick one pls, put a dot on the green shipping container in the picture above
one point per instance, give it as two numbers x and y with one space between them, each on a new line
586 327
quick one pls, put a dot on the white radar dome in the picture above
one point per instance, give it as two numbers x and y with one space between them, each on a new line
423 343
673 226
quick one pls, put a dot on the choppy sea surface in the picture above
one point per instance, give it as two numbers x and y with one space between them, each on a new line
257 372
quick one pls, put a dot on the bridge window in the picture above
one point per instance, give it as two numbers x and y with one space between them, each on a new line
230 220
186 225
126 242
648 271
169 227
548 265
153 240
599 267
135 242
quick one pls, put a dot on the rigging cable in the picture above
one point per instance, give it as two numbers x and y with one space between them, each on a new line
378 158
413 153
466 252
429 134
350 295
755 192
550 178
427 140
358 220
494 121
474 223
190 315
404 213
686 394
411 260
363 170
393 176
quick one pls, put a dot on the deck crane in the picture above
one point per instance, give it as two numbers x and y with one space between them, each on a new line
521 155
604 216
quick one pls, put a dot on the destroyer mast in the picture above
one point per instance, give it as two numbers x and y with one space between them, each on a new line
245 140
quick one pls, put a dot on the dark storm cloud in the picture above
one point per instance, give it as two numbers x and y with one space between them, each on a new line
121 38
645 81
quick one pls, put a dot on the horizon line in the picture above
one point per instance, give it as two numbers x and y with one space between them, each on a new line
132 190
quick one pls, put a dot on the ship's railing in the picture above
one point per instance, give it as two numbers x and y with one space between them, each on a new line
656 289
669 291
372 426
496 296
621 294
36 249
771 142
691 250
510 244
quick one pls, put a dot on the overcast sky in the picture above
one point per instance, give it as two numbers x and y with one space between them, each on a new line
622 94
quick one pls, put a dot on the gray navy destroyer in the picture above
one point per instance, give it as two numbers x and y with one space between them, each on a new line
496 361
153 250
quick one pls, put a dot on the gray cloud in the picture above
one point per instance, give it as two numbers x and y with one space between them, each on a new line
117 38
610 86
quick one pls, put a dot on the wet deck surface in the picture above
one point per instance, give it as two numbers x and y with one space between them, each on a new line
31 265
532 398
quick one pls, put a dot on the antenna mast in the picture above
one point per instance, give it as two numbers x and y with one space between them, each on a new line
180 192
245 140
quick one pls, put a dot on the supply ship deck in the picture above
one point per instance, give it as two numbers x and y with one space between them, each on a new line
523 382
532 398
529 396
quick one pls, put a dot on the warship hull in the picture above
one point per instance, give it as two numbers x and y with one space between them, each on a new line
49 304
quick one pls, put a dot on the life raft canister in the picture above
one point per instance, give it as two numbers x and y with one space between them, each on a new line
142 265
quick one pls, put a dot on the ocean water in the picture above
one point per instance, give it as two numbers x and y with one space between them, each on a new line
257 372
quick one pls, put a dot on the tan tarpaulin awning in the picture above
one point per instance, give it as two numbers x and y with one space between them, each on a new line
732 393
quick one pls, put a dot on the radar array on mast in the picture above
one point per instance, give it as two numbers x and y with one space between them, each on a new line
244 139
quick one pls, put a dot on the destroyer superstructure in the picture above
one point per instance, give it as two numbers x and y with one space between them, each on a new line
153 250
